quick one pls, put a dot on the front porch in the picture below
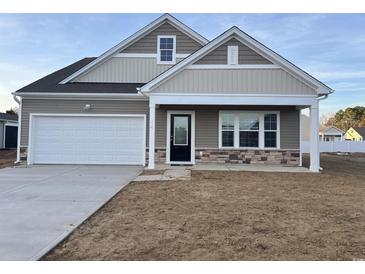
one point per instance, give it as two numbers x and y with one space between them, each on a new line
208 138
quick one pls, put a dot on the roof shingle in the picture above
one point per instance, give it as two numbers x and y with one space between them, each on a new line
50 83
7 116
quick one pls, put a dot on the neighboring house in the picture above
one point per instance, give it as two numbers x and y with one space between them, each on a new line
168 90
8 130
355 134
331 134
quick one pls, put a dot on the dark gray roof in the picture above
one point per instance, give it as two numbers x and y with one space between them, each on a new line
360 130
50 83
7 116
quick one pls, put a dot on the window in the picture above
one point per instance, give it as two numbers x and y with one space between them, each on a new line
249 123
270 128
166 47
181 127
249 129
232 55
227 130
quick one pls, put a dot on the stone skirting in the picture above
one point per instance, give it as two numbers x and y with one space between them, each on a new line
273 157
223 156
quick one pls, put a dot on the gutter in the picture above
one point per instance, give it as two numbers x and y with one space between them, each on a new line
324 96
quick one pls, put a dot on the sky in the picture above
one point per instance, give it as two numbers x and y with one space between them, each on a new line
331 47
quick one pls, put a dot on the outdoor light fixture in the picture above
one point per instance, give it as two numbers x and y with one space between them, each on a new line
87 107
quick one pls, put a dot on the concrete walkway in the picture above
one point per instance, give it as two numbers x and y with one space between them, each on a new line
41 205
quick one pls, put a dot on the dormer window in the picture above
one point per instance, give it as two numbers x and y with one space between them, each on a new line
232 55
166 49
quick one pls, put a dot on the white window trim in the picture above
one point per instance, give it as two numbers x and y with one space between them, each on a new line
159 50
168 131
261 130
271 130
232 55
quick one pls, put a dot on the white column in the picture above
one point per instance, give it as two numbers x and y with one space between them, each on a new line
19 130
300 139
151 148
314 140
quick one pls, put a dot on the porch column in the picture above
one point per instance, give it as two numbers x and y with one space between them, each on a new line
314 140
151 147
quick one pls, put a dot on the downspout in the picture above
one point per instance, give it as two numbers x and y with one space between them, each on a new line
320 98
19 127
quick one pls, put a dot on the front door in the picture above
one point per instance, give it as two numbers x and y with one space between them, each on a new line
180 138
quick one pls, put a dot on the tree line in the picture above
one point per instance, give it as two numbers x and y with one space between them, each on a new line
344 119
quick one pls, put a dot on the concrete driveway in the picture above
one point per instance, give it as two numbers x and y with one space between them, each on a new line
41 205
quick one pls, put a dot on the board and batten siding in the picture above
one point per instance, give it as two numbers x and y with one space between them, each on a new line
245 55
125 70
235 81
148 43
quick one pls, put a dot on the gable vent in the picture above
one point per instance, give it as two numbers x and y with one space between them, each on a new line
232 55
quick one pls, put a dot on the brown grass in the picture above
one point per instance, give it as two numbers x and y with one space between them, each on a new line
231 216
7 157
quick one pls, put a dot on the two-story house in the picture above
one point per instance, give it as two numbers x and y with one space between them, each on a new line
166 94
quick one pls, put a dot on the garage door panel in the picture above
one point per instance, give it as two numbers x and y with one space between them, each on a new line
87 140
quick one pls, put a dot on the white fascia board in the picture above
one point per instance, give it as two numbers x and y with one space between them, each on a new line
146 55
232 99
281 61
105 96
189 60
250 42
260 66
147 29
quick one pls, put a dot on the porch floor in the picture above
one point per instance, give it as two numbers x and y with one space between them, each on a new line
236 167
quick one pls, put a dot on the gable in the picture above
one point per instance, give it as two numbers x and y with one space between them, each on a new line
124 70
245 55
235 81
259 52
333 130
148 43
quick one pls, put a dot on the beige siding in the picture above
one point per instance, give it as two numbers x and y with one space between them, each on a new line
245 55
206 128
148 43
237 81
125 70
75 106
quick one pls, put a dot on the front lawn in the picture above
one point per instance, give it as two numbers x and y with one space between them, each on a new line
7 157
231 216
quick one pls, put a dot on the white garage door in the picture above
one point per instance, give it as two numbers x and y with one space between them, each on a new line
87 140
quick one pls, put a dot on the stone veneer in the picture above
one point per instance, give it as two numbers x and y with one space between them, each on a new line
234 156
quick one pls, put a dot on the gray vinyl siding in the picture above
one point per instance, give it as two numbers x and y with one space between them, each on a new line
245 55
207 129
236 81
1 134
148 43
289 129
76 106
206 118
125 70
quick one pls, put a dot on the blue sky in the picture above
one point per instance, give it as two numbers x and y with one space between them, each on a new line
331 47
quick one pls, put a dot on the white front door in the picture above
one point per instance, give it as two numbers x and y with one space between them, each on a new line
88 139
